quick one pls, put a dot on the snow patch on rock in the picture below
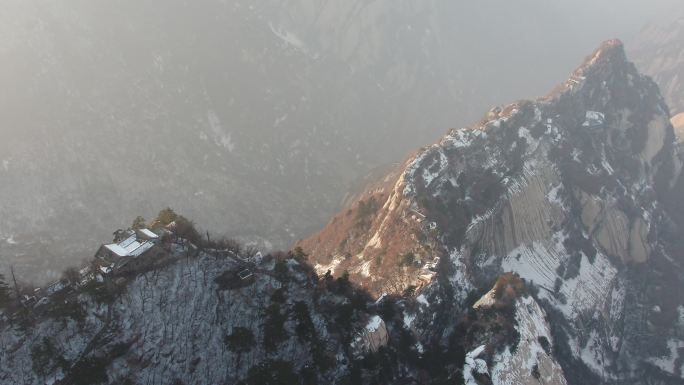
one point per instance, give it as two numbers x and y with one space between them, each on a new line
474 365
530 364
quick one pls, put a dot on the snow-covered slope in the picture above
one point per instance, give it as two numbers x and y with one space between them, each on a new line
191 316
533 361
170 325
576 192
529 362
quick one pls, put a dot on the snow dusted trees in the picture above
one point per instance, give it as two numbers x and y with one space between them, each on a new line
299 255
240 341
139 223
165 217
272 372
4 292
71 275
274 326
184 227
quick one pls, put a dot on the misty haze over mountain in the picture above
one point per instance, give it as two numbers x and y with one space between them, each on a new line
659 51
253 118
304 192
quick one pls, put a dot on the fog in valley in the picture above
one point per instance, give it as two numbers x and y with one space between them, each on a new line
254 118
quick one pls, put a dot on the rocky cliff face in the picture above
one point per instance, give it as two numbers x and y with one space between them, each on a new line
575 192
189 316
540 245
176 323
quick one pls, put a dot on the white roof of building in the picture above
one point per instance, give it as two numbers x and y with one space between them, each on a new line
143 247
128 241
148 233
129 248
116 249
594 118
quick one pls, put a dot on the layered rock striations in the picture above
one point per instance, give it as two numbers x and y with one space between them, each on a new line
575 192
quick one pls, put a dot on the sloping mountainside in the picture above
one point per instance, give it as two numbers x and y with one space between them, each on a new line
539 246
252 117
578 192
173 323
189 315
658 51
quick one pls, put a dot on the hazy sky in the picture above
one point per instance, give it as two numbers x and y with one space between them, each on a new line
253 117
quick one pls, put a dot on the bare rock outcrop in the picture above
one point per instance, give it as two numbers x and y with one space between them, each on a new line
576 192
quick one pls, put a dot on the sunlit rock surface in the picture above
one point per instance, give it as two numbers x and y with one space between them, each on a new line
578 192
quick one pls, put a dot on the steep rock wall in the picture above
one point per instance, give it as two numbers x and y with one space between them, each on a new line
567 191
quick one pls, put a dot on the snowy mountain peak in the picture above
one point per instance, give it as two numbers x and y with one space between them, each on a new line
541 245
610 51
573 192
